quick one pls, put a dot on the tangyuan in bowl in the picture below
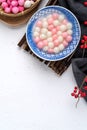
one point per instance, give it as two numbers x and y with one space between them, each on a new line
53 33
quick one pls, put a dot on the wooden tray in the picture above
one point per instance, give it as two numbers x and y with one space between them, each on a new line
20 18
58 66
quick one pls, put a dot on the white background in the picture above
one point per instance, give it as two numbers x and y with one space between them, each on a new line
32 96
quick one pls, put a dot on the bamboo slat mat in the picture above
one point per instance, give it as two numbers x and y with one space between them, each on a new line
58 66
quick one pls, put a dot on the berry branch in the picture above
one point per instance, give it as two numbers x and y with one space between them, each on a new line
84 42
80 92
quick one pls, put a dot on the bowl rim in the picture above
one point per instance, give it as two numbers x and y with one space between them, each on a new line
75 45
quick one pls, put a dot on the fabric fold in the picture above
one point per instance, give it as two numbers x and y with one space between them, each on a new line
80 11
79 67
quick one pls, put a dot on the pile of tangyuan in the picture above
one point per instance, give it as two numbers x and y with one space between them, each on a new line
15 6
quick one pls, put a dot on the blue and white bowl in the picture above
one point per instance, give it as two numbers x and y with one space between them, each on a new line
75 36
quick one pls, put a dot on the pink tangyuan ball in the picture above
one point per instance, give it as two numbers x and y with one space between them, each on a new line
50 20
39 24
65 21
7 10
50 27
14 3
9 2
56 43
21 8
21 2
50 50
4 5
55 15
54 37
64 34
45 43
15 10
37 39
58 28
40 45
69 38
65 43
54 31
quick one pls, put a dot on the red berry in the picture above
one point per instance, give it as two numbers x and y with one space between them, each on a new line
85 87
85 3
72 94
83 94
80 92
84 37
85 22
75 87
85 46
82 41
82 46
86 79
75 91
76 96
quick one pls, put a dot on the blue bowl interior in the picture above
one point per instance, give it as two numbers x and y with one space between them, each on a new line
75 36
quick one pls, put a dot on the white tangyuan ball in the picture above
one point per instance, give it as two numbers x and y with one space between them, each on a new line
49 34
69 25
42 36
70 32
50 39
61 17
44 20
63 28
50 44
59 33
61 47
45 48
27 4
44 30
45 24
56 50
60 39
56 22
37 29
35 34
49 16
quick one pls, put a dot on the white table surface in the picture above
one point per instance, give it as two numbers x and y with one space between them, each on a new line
32 96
